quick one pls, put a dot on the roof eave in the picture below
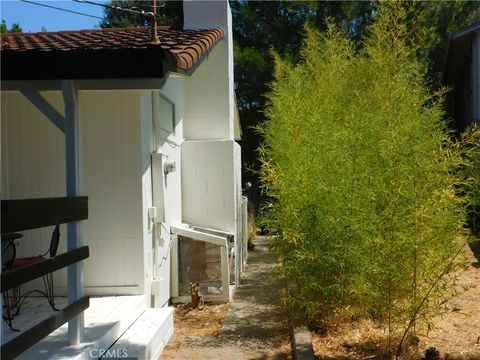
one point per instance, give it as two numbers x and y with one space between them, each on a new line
82 64
456 48
464 32
172 66
31 60
150 62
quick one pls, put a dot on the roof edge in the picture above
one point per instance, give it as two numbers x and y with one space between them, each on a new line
466 31
183 59
171 62
160 27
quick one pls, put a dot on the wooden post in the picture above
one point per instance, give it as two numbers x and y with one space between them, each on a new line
73 156
225 270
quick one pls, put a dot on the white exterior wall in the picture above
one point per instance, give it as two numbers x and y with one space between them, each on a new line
146 178
237 166
113 185
210 163
210 114
174 90
209 184
127 253
33 165
207 114
157 241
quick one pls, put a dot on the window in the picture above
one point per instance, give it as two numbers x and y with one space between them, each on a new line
164 116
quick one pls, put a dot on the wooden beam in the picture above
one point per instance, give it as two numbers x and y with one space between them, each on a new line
147 83
121 84
36 333
85 64
37 85
28 273
45 108
26 214
225 271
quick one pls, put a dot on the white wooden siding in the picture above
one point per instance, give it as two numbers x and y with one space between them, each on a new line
207 115
113 183
33 165
210 90
157 250
209 184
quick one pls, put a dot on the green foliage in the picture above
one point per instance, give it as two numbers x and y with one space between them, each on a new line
262 25
440 19
15 28
169 13
3 27
362 175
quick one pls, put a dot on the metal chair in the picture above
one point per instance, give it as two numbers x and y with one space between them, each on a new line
8 257
13 298
8 249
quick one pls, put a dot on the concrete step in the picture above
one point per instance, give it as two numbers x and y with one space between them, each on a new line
146 338
107 318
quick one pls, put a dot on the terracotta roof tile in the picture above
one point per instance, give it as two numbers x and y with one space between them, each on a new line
185 47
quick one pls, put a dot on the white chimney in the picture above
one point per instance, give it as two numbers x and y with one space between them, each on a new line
201 14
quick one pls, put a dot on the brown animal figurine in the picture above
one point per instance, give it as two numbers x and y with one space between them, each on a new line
197 297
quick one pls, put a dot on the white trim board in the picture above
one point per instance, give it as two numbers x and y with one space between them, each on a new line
198 235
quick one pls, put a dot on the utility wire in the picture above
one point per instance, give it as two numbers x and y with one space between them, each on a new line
118 8
61 9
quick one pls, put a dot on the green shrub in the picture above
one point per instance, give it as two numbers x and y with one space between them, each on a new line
362 175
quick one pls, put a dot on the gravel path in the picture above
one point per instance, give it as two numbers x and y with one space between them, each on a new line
256 325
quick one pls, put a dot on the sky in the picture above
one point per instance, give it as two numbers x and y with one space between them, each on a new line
33 17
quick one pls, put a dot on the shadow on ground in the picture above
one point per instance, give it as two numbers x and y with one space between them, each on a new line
256 325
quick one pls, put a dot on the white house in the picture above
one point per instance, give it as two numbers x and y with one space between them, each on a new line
147 132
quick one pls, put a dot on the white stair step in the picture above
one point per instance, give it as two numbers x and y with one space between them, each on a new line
147 337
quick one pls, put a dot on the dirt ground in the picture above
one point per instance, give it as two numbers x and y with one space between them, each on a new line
455 333
253 326
207 324
193 322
